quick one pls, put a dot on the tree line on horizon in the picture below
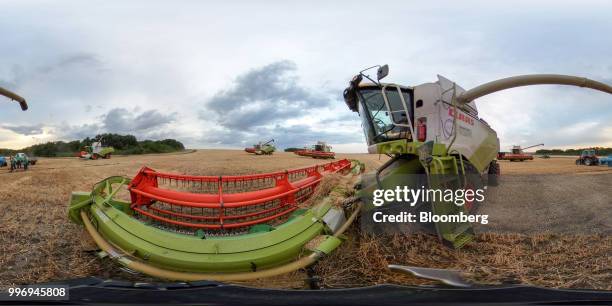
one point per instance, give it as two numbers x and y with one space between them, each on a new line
598 151
123 144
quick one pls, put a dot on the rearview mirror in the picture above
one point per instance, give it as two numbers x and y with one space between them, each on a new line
382 72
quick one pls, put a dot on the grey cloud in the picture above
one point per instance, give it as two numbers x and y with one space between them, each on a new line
150 124
289 136
302 135
260 99
227 137
73 132
121 120
16 74
110 65
20 75
25 129
73 60
263 95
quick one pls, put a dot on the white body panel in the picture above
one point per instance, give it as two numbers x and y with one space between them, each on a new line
437 109
96 147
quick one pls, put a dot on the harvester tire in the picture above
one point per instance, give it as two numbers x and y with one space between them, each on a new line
494 173
588 162
94 156
107 155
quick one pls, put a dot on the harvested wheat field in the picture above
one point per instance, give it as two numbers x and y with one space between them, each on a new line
38 243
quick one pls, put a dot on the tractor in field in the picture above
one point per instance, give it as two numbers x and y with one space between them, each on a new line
96 150
434 130
319 150
588 158
20 161
266 148
517 154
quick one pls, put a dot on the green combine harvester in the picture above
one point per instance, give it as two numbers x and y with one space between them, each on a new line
266 148
236 228
436 139
96 150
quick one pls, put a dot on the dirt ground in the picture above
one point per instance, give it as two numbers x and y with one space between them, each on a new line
550 196
38 242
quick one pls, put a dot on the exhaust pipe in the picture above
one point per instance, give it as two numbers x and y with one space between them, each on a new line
13 96
531 79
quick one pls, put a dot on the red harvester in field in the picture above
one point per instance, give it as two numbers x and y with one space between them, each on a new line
320 150
517 154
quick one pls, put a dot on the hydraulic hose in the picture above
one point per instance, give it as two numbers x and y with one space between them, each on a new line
162 273
531 79
13 96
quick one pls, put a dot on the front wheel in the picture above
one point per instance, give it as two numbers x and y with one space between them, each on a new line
494 173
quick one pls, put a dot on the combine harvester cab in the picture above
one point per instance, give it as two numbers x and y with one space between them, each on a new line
225 228
434 129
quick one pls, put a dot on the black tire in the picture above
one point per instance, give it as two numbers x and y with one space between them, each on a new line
494 173
588 161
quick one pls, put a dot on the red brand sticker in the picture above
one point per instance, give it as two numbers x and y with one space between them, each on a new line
461 116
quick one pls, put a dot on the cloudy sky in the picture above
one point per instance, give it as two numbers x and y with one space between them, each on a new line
229 73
